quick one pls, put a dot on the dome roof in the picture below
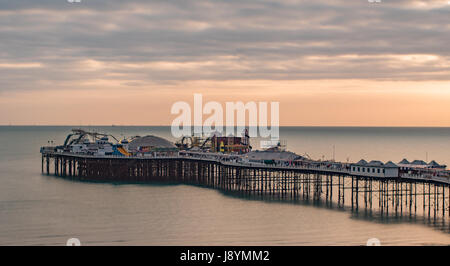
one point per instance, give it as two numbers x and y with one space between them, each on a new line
150 141
362 162
434 163
404 161
419 162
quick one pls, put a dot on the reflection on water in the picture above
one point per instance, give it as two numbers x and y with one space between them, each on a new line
440 223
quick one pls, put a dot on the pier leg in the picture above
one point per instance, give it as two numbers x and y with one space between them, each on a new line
387 197
423 198
352 191
410 199
331 190
47 159
436 199
401 198
443 201
429 200
339 190
357 194
415 198
370 194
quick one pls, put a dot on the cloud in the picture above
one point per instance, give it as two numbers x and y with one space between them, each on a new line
142 42
19 65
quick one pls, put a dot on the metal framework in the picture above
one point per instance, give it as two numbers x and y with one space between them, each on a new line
387 197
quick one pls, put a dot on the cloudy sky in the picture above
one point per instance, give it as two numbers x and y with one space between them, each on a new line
328 62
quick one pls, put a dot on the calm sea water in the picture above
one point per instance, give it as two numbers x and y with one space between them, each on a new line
43 210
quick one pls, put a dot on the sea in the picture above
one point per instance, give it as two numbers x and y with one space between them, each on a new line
37 209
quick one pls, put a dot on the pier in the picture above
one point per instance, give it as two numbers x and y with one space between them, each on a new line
405 195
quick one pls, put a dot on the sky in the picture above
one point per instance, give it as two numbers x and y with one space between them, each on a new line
327 62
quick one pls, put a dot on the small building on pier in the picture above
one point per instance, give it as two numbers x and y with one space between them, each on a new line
417 165
422 168
375 169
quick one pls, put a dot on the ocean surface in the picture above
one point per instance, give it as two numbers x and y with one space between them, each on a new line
36 209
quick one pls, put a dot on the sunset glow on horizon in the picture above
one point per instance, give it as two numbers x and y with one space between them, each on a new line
328 63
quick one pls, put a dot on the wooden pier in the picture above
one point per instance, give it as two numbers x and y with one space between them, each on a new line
385 196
